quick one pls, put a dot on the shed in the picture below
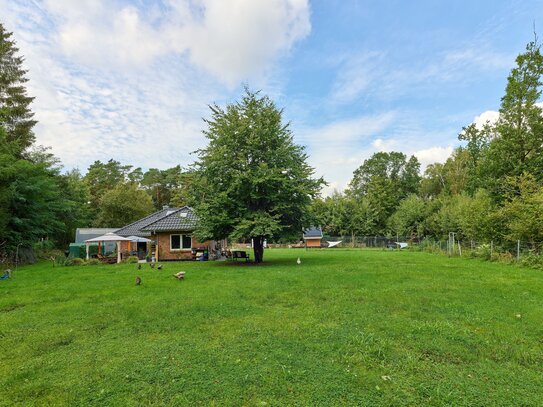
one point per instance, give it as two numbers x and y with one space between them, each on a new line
313 236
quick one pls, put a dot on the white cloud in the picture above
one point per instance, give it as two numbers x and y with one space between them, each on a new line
433 155
384 145
337 149
115 81
233 40
489 116
355 75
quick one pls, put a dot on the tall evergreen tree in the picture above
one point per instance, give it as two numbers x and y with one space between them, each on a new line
516 149
15 113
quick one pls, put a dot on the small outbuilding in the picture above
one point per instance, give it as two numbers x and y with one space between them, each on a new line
312 237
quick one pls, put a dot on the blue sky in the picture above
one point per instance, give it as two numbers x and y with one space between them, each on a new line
131 80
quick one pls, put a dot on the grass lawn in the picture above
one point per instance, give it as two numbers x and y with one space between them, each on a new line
343 328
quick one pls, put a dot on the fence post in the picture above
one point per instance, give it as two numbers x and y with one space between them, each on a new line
459 248
491 248
518 250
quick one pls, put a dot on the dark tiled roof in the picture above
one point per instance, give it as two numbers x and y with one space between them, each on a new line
312 232
181 220
137 228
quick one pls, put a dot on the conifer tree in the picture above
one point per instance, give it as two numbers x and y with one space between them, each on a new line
15 115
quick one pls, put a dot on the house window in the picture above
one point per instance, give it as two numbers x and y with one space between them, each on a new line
180 242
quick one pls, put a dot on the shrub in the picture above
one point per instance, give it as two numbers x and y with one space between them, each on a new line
131 259
76 261
44 249
503 257
483 252
93 262
532 260
62 260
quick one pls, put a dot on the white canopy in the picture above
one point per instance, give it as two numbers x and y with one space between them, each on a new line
139 239
333 244
108 237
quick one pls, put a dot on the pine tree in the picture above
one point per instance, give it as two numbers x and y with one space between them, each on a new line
15 113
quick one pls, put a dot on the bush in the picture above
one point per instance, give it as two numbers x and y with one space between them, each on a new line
62 260
482 252
93 262
76 261
131 260
532 260
503 257
44 249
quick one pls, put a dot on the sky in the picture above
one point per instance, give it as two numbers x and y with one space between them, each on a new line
132 80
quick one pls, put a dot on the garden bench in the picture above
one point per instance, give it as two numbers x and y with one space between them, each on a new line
240 254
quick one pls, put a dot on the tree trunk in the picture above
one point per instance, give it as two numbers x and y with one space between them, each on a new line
258 248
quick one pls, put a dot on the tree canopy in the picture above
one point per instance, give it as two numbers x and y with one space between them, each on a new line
251 180
15 114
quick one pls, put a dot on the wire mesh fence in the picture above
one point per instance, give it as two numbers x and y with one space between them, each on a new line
365 241
505 250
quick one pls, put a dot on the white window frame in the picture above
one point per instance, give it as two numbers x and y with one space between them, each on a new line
181 249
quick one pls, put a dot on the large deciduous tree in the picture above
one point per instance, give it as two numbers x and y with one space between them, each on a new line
516 147
15 113
384 180
252 181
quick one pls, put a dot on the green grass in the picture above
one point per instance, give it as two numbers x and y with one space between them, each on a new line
343 328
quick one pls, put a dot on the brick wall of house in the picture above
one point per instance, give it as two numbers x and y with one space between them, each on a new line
164 252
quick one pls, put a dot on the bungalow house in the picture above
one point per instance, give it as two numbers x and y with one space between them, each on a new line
171 231
313 237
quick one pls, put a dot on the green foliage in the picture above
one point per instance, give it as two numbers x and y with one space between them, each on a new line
515 148
62 260
410 217
103 177
251 180
341 215
77 213
122 205
471 217
15 114
166 186
523 210
131 259
93 262
384 180
44 249
76 261
483 251
33 204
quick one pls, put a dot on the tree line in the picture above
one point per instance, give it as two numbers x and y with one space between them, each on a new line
253 181
38 200
489 189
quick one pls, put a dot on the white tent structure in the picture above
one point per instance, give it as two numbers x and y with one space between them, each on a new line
333 244
108 237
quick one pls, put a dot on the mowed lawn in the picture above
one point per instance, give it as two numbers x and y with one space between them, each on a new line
346 327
